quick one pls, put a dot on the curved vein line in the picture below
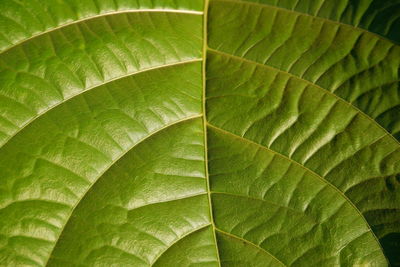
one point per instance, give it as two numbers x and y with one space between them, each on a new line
164 201
112 164
378 139
314 220
263 5
160 10
308 170
251 244
215 51
94 87
179 239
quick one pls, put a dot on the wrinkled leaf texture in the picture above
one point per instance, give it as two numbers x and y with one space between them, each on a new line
184 133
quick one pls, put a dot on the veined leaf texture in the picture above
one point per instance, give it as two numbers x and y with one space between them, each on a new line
199 133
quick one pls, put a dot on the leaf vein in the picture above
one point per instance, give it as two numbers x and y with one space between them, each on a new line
215 51
112 164
307 169
94 87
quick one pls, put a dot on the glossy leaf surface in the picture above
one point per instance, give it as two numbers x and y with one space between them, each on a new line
191 133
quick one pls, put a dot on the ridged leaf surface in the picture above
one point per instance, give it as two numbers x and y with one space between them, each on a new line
191 133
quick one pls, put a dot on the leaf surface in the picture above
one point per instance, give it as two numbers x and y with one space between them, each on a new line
191 133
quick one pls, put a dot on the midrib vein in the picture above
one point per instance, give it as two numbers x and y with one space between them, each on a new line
326 91
63 101
205 47
155 10
108 168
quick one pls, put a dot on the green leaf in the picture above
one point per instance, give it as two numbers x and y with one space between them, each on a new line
191 133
